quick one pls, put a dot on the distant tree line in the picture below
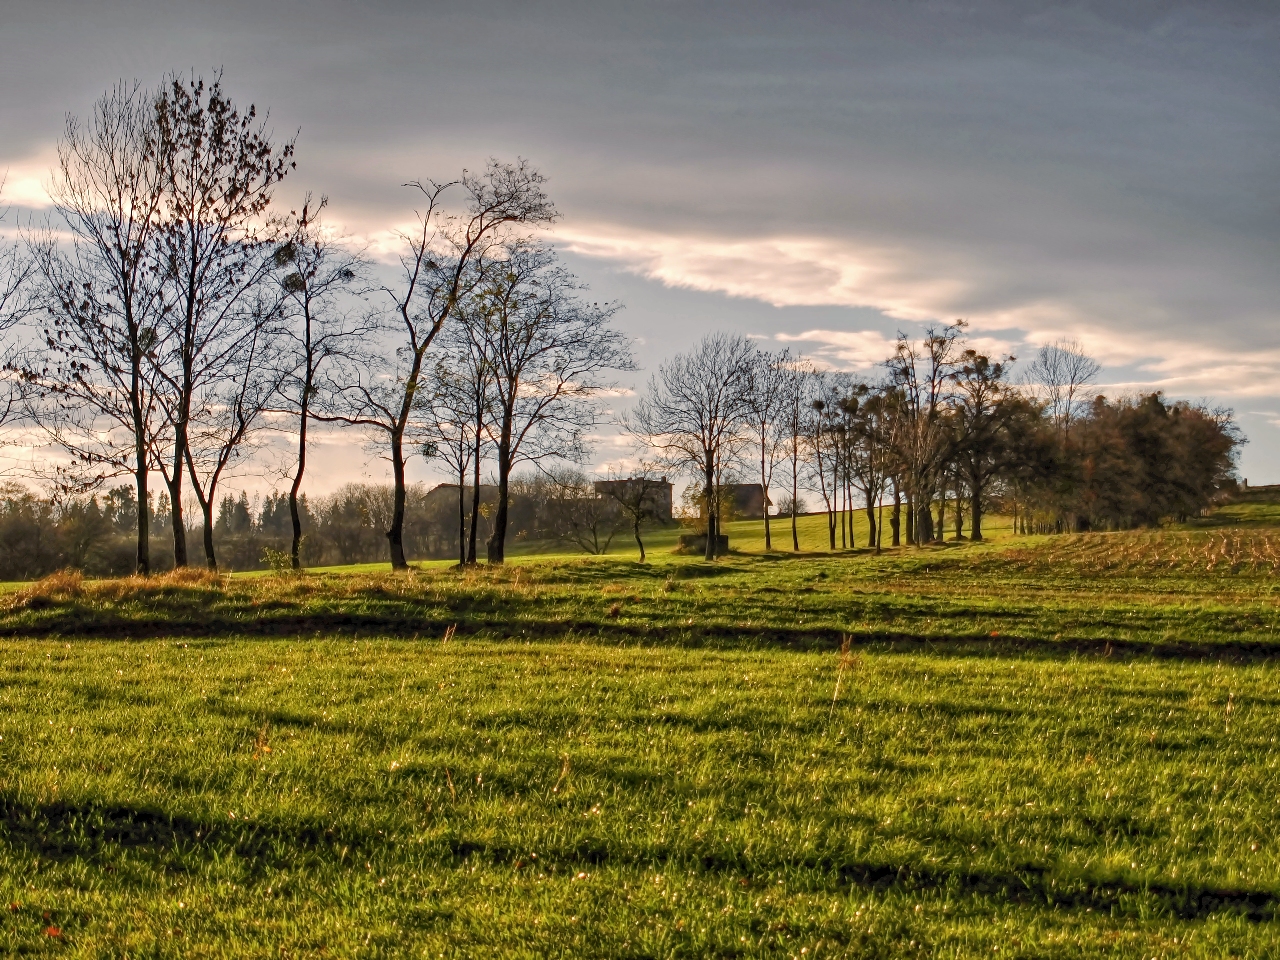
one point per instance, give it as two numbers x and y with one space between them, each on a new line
943 434
95 533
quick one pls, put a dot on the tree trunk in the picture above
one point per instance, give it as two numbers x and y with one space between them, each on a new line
848 501
295 546
210 559
975 514
710 495
942 516
175 498
924 524
475 505
795 492
395 536
911 520
872 529
764 497
639 543
498 538
143 566
895 518
842 505
462 500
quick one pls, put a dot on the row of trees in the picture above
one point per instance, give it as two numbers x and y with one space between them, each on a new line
95 533
167 314
943 427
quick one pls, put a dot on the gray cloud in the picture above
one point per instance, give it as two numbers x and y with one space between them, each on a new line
1108 169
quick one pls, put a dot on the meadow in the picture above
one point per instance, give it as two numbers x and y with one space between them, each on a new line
1034 747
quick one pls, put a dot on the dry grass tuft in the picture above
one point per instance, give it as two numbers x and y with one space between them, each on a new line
70 585
61 586
189 577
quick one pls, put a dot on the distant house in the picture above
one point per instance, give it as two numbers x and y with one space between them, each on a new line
658 497
746 501
749 501
445 496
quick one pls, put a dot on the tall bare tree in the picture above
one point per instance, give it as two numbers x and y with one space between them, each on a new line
218 170
453 429
693 414
1059 376
769 382
441 261
826 436
463 405
637 497
923 372
871 441
103 295
317 273
17 303
796 404
550 353
228 411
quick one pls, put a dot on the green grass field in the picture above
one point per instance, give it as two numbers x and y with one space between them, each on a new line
1036 747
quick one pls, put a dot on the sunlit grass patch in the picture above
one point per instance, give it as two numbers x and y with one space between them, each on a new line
568 799
1048 746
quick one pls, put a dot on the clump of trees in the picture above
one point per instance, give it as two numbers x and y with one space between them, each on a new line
944 433
175 317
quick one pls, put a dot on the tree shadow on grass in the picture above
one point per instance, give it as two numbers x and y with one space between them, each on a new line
1023 884
499 618
97 832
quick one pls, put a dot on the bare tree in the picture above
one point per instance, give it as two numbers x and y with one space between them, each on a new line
693 414
637 497
316 273
462 405
103 297
575 513
769 383
218 171
16 305
871 441
826 437
453 431
439 264
550 352
922 372
1059 374
796 404
227 412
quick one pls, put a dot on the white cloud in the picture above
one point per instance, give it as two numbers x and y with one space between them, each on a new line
918 286
24 181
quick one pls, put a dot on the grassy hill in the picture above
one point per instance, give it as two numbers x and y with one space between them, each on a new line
1042 746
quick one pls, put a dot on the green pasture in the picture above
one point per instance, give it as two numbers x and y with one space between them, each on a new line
1039 747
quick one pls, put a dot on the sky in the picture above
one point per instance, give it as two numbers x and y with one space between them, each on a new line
817 175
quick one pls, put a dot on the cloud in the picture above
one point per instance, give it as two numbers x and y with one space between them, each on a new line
1007 313
783 271
24 181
